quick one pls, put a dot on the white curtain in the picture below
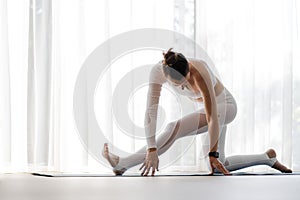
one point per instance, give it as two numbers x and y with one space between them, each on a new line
254 45
13 81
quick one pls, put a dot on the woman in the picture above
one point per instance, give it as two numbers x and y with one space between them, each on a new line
192 78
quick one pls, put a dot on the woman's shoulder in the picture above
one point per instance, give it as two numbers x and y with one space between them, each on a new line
157 68
197 61
204 68
156 74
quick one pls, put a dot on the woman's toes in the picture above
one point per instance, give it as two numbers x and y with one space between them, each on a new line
105 150
281 168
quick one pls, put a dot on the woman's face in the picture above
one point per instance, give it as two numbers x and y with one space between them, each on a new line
179 83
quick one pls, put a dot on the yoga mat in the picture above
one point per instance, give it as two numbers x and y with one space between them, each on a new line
57 174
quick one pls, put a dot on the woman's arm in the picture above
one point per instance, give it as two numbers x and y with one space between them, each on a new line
156 81
205 86
151 114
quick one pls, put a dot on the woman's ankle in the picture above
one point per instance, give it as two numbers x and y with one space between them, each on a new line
271 153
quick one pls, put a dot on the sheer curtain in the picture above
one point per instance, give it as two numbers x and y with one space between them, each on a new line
254 45
13 81
39 68
44 44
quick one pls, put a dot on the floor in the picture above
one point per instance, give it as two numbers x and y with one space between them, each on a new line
26 186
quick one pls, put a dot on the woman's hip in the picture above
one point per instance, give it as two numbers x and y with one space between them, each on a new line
226 107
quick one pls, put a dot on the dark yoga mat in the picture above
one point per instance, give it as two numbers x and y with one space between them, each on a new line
56 174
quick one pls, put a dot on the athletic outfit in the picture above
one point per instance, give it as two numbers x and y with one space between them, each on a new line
189 124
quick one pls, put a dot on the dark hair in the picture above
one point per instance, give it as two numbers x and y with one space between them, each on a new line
175 65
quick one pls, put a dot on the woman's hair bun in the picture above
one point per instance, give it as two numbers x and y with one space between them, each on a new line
176 61
169 57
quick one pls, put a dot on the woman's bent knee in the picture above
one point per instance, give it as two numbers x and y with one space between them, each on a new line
172 126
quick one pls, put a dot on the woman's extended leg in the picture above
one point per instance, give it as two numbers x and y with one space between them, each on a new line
194 123
191 124
236 162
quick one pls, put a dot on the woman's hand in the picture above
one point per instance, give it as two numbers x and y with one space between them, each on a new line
215 163
151 161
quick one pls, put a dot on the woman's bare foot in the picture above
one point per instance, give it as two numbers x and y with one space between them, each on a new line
112 159
272 154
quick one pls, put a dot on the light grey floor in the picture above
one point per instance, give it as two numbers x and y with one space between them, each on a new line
26 186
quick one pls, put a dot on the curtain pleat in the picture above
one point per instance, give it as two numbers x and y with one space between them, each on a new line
31 89
5 99
39 81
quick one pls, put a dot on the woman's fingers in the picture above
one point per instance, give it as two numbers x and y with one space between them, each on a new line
147 171
220 167
212 168
145 168
223 169
150 164
216 164
142 166
153 171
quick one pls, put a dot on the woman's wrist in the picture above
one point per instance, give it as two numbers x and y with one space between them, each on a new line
152 149
214 154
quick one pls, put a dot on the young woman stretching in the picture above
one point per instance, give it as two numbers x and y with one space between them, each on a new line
192 78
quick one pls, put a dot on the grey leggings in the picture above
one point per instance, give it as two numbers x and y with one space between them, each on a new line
185 126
